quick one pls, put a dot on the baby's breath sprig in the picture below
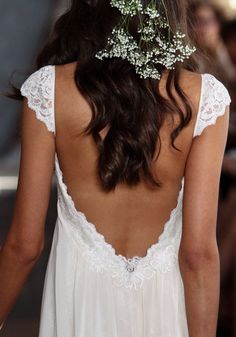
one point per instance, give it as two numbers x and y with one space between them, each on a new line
158 50
130 8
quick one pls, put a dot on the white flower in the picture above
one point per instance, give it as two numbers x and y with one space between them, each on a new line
158 50
130 8
152 12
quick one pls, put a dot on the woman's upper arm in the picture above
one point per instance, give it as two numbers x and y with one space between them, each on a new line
34 184
200 202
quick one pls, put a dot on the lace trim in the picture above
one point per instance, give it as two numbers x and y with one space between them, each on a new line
214 99
101 256
39 90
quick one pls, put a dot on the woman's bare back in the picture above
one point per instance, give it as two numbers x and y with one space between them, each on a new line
131 219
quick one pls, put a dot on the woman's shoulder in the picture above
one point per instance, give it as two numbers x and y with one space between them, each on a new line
206 84
212 98
38 89
46 73
40 80
39 72
208 96
214 90
190 82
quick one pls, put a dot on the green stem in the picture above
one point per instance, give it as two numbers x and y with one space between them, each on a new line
167 18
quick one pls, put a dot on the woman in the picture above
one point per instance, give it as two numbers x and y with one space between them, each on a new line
208 20
123 261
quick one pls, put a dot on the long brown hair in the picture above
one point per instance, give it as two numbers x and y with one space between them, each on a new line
132 107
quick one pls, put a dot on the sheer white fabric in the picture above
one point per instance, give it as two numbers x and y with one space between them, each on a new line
214 99
39 89
89 290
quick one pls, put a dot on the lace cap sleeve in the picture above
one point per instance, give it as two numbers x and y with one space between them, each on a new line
213 102
39 90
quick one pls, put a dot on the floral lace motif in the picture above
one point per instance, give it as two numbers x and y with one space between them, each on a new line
101 257
39 89
214 99
132 273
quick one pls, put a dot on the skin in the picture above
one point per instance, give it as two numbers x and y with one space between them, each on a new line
25 239
198 255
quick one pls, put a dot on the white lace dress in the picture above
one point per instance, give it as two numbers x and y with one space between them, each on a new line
89 290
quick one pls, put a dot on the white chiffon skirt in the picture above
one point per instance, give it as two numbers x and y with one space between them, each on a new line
78 302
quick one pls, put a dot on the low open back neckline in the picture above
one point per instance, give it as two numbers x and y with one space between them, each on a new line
92 227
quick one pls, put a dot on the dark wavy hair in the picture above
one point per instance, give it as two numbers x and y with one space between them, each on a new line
132 108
